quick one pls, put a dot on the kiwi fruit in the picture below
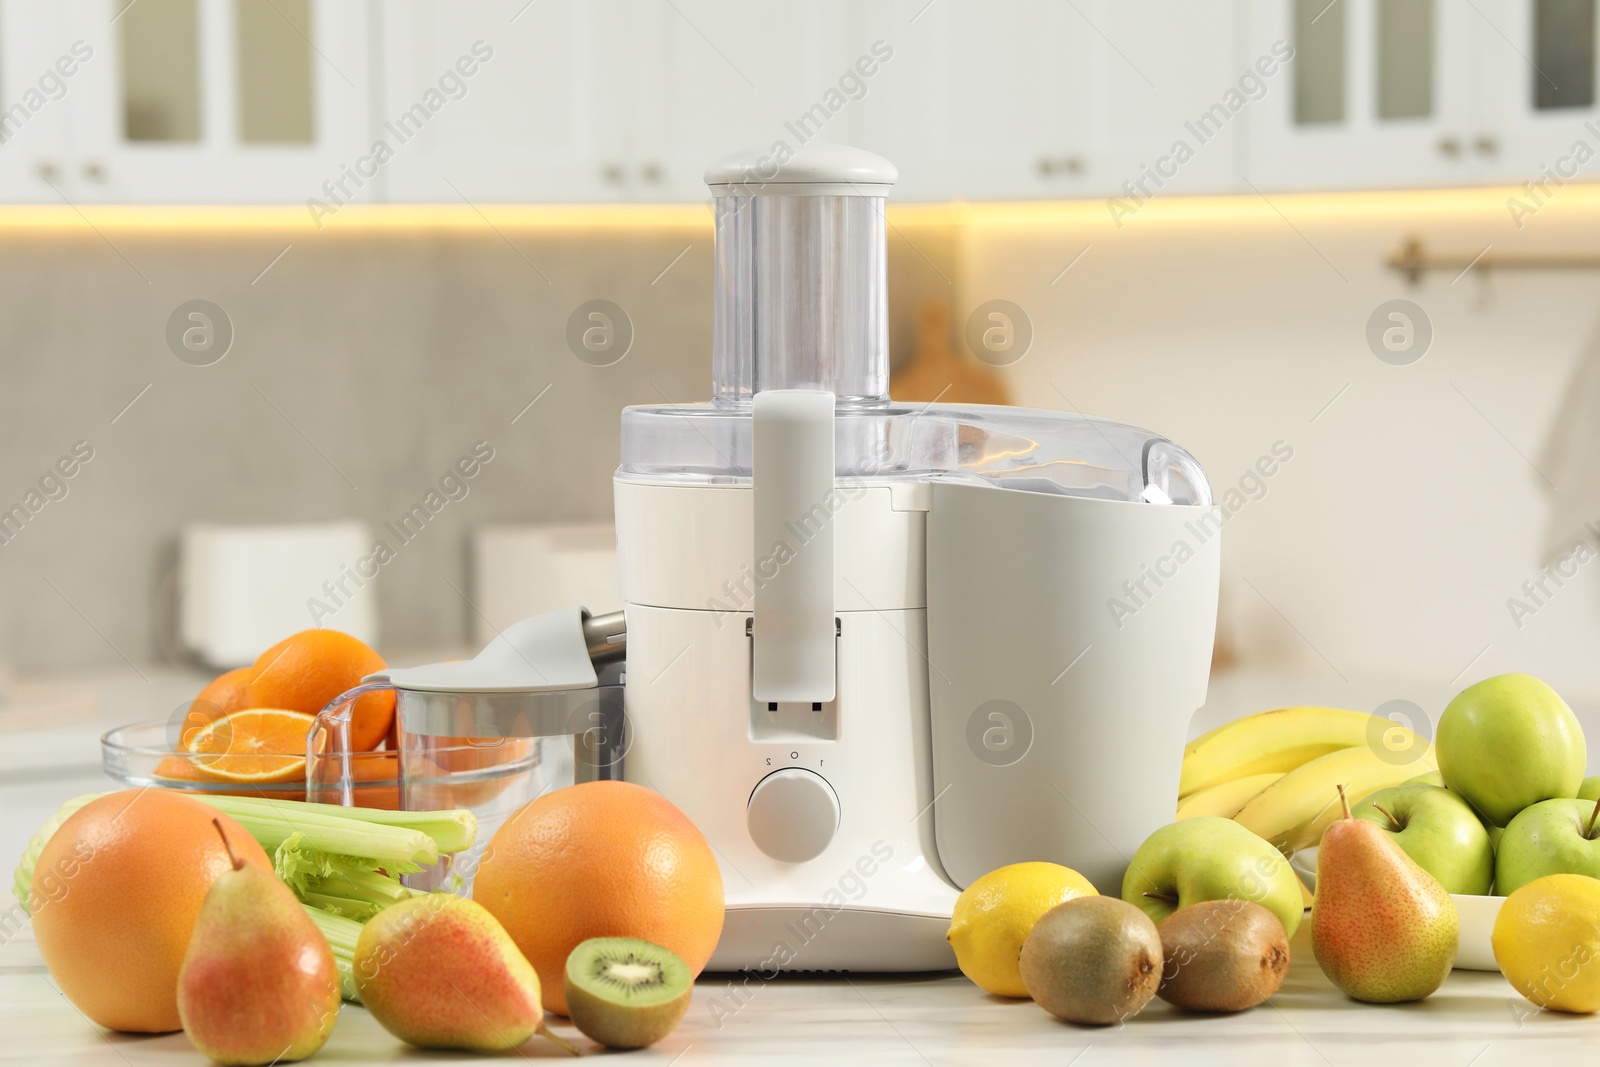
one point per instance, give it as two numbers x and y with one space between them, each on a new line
1093 960
1222 955
624 992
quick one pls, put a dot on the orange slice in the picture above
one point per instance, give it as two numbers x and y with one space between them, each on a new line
259 745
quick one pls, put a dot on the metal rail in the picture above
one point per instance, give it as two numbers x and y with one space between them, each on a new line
1412 258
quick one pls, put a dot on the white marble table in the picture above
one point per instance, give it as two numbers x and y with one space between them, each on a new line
925 1021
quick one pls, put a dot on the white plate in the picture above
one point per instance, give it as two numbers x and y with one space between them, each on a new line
1476 915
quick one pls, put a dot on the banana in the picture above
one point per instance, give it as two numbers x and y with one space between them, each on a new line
1293 811
1226 799
1269 741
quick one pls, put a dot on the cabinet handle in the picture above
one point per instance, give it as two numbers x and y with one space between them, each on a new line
612 174
48 171
1487 145
651 172
95 171
1449 146
1050 166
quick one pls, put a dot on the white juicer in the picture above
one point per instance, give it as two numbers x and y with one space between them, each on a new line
875 650
872 650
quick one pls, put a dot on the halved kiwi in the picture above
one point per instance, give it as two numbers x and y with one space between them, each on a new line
624 992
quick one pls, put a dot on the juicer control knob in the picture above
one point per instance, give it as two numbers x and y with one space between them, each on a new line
793 814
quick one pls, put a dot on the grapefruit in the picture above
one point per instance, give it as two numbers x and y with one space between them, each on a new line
601 859
115 896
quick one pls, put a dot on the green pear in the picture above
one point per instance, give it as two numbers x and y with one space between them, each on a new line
1382 928
1437 829
1509 742
258 983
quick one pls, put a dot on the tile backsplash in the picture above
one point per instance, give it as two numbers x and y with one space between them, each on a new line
364 363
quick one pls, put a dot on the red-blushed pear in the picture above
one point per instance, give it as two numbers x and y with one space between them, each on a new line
438 971
1383 929
258 984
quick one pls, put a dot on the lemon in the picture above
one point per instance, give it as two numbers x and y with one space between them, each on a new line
1547 942
994 914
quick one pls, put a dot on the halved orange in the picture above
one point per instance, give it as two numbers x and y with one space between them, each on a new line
260 745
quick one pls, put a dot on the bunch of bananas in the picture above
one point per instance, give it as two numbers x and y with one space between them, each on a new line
1276 773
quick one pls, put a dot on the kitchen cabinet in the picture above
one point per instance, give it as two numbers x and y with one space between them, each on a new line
1540 96
1421 92
185 101
1063 100
1380 93
324 102
542 116
971 100
33 98
618 100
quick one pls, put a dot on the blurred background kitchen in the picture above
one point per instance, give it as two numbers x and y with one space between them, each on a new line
274 268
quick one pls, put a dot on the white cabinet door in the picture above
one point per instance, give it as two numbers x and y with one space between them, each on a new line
541 116
726 77
1041 101
998 100
1541 121
1171 97
1380 93
40 72
221 101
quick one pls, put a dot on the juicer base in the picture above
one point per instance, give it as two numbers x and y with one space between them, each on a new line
766 940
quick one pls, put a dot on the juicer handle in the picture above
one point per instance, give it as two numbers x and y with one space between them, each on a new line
792 466
330 778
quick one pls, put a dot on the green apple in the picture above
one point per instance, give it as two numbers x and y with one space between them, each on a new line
1552 837
1211 858
1437 829
1509 742
1590 789
1431 778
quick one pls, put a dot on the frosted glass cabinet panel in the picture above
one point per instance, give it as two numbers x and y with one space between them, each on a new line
1383 93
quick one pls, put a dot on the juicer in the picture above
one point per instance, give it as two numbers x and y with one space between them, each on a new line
877 650
872 650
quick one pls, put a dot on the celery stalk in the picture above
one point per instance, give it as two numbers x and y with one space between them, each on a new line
22 879
358 911
452 830
342 935
332 851
345 884
273 822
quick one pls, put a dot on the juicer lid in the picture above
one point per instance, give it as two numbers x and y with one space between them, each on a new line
815 169
539 655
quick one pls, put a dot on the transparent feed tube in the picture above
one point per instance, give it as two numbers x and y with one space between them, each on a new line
800 298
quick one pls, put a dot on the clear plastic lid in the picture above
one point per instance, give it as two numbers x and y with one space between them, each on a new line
1013 448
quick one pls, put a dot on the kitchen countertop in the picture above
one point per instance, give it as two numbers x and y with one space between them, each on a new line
1475 1020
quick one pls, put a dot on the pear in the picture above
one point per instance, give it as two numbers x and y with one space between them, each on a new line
258 983
439 971
1383 929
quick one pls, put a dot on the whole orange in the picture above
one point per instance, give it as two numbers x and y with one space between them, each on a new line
601 859
229 691
115 896
305 671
